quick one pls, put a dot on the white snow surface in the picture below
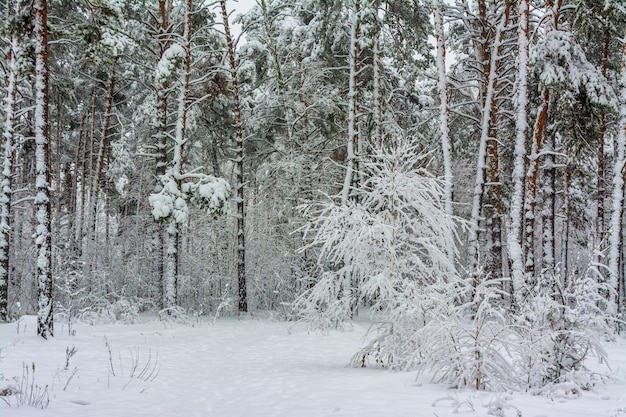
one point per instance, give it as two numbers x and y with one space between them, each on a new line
252 367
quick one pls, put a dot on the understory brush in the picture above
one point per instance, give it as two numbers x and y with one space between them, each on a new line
134 365
26 392
561 328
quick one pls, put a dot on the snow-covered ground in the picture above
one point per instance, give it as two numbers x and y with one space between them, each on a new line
250 368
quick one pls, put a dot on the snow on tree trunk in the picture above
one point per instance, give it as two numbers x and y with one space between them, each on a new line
548 197
239 165
601 193
615 243
566 225
444 124
376 79
45 323
100 161
481 167
531 188
170 283
8 134
532 174
160 141
353 129
521 127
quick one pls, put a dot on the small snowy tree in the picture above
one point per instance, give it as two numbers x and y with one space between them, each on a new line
560 329
387 249
477 352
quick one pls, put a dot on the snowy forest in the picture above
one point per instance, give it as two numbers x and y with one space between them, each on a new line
453 171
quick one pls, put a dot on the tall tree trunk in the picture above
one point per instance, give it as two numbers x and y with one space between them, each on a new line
564 261
100 162
531 189
553 9
377 81
160 140
239 165
8 134
494 265
521 127
481 168
601 193
615 243
180 139
353 143
43 241
549 196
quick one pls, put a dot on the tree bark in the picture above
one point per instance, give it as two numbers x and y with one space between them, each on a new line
160 140
100 162
444 114
8 134
521 127
615 243
353 144
239 166
43 241
481 168
180 139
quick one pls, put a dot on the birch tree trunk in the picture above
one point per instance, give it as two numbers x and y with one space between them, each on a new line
43 242
239 165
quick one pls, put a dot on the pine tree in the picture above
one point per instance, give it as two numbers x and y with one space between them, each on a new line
521 127
45 323
239 167
12 51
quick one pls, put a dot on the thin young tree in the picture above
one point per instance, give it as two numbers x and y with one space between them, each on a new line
444 116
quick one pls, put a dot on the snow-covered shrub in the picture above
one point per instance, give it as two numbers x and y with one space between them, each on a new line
174 314
327 305
562 327
113 309
473 351
388 248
